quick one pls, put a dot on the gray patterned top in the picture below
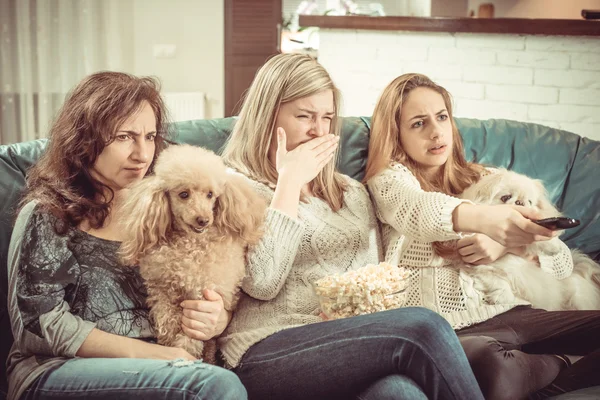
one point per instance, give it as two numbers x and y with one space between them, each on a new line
60 288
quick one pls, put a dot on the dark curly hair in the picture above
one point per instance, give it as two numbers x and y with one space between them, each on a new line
93 111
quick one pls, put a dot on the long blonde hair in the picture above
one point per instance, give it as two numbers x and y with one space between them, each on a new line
384 144
283 78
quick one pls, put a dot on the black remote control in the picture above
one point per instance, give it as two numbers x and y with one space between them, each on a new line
557 223
590 14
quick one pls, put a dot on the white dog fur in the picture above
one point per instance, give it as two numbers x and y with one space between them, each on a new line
512 277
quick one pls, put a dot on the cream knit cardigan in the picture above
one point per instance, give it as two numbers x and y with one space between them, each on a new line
413 219
277 291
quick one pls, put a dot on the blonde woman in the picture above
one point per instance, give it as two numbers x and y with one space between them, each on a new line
320 223
416 167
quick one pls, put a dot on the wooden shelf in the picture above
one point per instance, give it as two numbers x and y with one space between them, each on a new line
570 27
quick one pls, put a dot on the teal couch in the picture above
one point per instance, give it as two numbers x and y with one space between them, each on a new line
567 163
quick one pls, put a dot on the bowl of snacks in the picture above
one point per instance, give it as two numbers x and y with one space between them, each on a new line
369 289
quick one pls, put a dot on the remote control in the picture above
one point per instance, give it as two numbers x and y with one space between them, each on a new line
557 223
590 14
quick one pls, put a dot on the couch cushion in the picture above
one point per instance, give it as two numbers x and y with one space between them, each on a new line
208 133
14 161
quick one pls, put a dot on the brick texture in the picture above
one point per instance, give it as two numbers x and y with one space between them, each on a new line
550 80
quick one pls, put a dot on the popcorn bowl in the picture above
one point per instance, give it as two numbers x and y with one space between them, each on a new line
366 290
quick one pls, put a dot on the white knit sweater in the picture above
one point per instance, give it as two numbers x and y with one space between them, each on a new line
412 220
277 291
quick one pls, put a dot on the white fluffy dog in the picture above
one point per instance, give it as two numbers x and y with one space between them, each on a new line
512 277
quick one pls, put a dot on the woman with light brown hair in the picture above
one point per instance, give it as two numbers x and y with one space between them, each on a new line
319 223
415 169
79 317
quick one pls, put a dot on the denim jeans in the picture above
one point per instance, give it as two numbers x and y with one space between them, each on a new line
393 387
131 378
408 353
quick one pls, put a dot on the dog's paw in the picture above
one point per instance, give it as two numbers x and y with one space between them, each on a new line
192 346
500 296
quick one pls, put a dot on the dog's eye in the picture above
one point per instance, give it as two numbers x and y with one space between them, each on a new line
184 194
209 195
519 203
505 198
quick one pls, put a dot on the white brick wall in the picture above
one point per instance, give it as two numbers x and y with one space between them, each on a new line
550 80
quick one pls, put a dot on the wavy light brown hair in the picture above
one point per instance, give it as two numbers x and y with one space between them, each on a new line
283 78
86 123
384 144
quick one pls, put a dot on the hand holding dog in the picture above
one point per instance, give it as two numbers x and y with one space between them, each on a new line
479 249
302 164
204 319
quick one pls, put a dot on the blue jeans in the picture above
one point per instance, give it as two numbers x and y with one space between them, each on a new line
393 387
408 353
130 378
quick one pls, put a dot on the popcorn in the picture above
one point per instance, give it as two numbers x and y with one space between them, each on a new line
363 291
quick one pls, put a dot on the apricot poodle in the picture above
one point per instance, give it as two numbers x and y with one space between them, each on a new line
188 228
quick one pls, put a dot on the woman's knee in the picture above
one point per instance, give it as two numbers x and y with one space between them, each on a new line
492 366
390 387
424 324
218 383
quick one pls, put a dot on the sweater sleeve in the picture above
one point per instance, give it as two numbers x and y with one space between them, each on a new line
558 264
402 204
42 270
269 262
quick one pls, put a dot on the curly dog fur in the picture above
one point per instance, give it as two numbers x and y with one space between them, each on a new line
188 227
511 276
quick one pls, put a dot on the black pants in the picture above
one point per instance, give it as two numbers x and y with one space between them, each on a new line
524 331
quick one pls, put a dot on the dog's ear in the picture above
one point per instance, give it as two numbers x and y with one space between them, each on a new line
485 190
545 206
145 218
240 209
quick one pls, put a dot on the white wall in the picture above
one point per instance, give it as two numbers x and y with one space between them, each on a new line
196 28
552 80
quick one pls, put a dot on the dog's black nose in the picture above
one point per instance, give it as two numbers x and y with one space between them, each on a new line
201 222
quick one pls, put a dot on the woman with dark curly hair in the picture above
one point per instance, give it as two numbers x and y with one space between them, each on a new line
79 317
